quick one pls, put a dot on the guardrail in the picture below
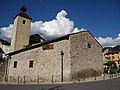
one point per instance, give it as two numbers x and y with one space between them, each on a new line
52 80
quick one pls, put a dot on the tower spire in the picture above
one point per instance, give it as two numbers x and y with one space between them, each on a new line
23 13
23 9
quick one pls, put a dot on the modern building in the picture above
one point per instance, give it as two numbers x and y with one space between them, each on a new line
113 55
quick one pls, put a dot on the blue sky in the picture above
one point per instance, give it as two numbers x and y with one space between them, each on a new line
100 17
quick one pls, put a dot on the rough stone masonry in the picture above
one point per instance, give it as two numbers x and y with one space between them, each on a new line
82 57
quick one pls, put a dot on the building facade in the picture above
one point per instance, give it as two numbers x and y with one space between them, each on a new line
113 55
62 59
67 58
21 32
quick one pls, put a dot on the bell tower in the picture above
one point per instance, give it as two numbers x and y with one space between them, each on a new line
21 30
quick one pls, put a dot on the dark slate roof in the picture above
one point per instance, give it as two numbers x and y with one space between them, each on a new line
109 48
108 53
116 48
23 13
36 38
4 42
113 50
47 42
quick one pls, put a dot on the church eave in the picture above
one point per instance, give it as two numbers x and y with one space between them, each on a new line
23 15
66 37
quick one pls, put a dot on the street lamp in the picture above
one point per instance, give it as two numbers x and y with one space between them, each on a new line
62 65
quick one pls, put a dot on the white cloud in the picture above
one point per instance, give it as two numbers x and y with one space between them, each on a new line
36 27
109 41
59 26
78 30
6 32
55 28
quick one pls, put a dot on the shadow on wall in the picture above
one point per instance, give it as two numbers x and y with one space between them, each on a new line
86 73
2 69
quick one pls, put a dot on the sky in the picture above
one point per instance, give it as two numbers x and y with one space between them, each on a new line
55 18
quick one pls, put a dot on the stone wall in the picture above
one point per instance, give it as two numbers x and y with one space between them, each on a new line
82 58
3 65
86 56
47 64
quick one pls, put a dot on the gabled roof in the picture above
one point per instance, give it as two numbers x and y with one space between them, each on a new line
22 14
113 50
66 37
94 38
36 38
3 42
108 53
116 48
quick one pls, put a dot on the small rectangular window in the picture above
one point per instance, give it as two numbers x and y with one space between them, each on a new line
119 62
113 57
89 45
15 64
107 58
24 21
30 64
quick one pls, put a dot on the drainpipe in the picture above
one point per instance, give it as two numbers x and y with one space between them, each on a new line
62 65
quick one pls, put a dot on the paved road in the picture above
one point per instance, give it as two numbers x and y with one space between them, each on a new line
113 84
